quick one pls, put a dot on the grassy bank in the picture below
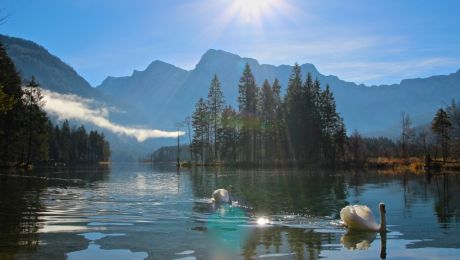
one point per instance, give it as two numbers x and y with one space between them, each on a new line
412 164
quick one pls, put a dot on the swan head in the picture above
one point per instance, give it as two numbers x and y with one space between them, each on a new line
382 207
229 188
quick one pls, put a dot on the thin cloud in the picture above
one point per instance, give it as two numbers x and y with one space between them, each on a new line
68 106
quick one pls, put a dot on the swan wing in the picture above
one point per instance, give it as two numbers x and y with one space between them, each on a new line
359 217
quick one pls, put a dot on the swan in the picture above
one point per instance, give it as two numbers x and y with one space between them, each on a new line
222 195
360 217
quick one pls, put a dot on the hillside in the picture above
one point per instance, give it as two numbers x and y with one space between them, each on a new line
166 88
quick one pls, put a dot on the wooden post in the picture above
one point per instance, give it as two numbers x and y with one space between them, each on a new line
178 150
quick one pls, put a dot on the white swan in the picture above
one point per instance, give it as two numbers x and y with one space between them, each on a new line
222 195
360 217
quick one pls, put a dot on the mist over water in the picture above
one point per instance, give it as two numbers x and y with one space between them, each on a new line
70 106
131 211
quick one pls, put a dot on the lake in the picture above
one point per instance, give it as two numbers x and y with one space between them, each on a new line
132 211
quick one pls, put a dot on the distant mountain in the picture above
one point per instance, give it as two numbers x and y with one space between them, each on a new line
163 94
168 93
32 59
53 74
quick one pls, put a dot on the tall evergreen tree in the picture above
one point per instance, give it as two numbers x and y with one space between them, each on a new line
200 131
215 105
440 126
268 120
35 124
294 109
329 123
247 100
11 130
228 134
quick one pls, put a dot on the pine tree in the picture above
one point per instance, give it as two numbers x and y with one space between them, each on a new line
215 105
294 111
247 100
329 123
35 123
440 126
312 120
228 134
453 111
279 144
11 130
200 131
268 120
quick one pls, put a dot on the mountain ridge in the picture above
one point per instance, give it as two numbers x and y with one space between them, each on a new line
358 104
165 89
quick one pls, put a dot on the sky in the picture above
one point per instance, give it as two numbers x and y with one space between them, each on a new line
365 41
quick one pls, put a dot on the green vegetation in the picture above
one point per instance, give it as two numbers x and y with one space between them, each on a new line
441 139
303 127
27 135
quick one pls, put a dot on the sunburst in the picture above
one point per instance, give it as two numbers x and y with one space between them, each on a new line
254 11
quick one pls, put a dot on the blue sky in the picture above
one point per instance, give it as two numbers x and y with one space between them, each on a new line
368 41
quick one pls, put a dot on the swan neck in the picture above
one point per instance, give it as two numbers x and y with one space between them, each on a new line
383 222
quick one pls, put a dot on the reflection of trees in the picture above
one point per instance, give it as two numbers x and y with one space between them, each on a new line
447 205
305 244
21 204
268 192
19 208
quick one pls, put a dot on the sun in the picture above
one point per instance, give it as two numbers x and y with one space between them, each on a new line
254 11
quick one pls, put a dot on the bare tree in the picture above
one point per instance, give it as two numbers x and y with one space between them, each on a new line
407 133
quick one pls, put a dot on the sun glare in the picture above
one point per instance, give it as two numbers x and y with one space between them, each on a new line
262 221
253 11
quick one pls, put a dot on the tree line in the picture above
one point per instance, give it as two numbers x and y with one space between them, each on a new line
27 135
302 126
440 139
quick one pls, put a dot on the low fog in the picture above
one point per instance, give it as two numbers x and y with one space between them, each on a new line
69 106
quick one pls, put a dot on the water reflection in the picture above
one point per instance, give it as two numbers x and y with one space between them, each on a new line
159 213
23 212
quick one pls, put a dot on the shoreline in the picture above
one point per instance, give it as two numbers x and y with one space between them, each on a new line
413 164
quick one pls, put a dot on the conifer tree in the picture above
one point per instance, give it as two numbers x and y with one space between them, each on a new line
294 109
440 126
247 100
215 106
200 131
35 123
11 131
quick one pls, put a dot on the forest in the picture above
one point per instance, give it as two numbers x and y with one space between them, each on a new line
28 137
303 127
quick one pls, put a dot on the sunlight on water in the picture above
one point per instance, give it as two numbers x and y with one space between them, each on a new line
262 221
137 212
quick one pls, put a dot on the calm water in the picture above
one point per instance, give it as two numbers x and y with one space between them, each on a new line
138 211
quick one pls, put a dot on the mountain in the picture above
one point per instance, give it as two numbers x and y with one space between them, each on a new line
163 89
163 94
32 59
55 75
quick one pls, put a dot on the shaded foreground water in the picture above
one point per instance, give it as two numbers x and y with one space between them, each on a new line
138 211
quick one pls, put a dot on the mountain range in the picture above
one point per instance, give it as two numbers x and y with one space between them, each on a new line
163 94
165 89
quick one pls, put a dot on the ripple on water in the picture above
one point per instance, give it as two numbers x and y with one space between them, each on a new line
94 251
